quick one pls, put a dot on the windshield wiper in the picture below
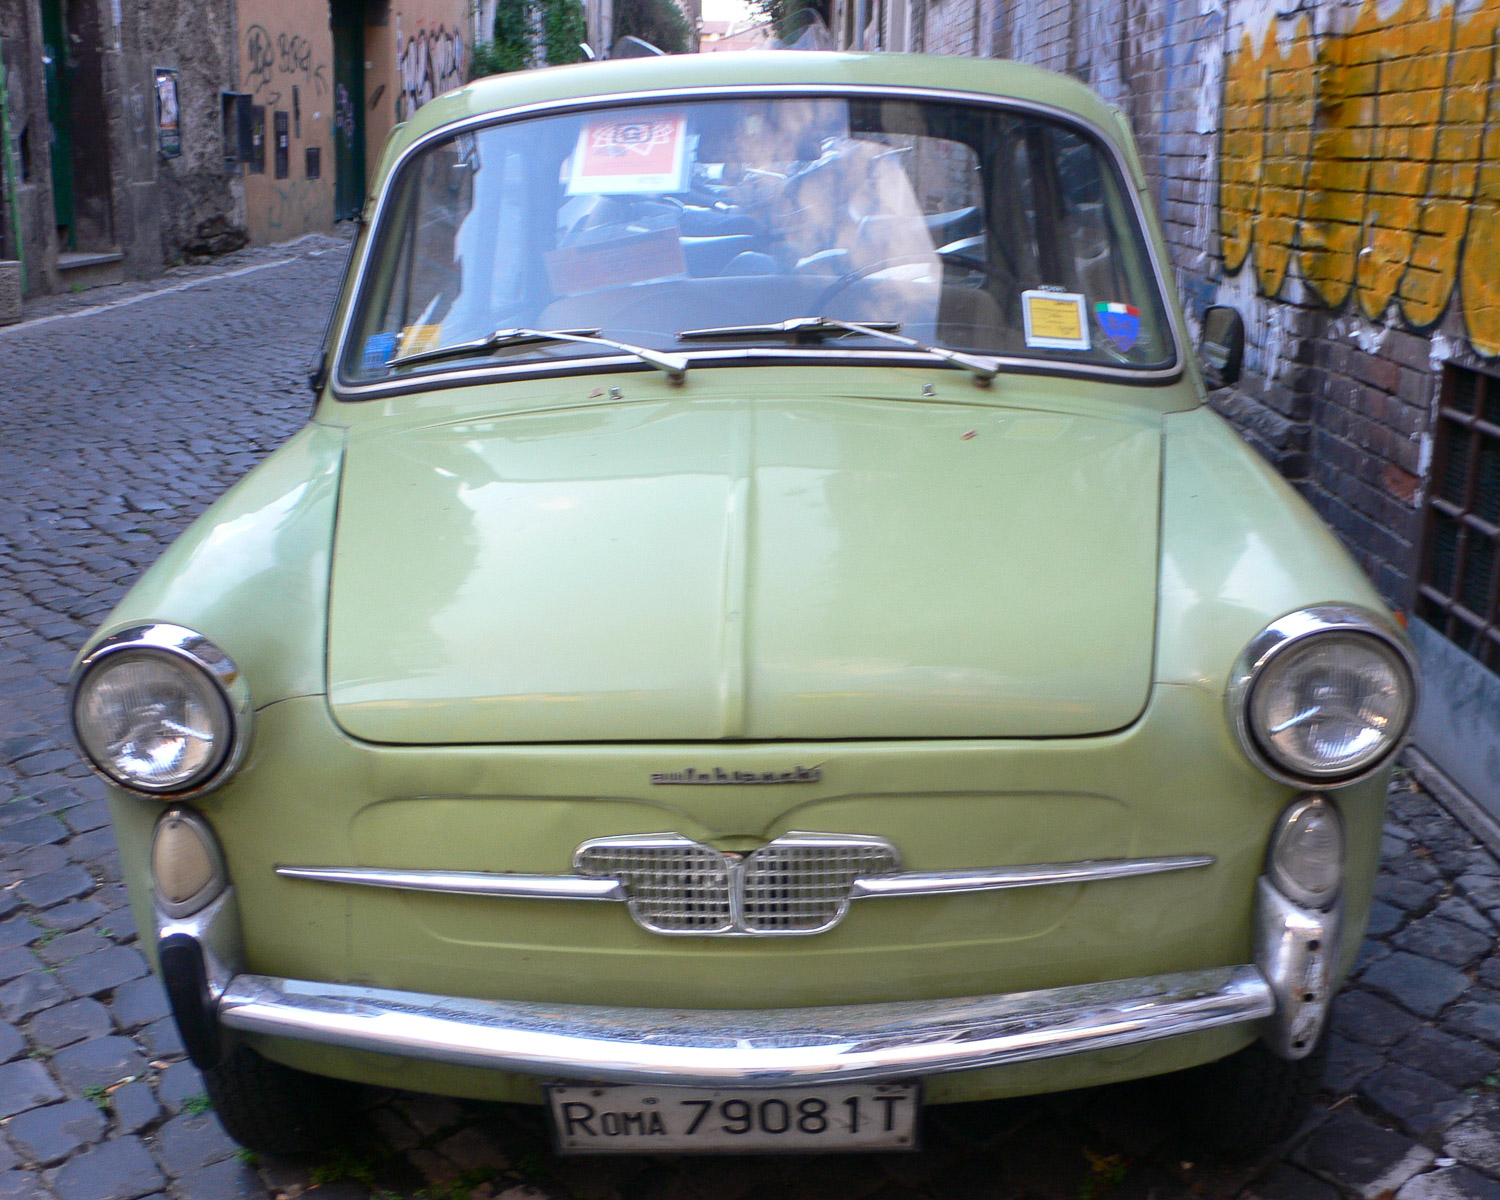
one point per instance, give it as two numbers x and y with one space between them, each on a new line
675 365
982 368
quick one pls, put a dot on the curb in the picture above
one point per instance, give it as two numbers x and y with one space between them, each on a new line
1453 799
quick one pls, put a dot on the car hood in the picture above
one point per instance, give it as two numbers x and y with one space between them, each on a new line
775 568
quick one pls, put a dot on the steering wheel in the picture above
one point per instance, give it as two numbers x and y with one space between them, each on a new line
844 282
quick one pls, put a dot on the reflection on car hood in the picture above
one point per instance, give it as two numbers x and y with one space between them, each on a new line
768 568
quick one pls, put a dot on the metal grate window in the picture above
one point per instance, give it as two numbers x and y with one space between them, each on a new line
1459 585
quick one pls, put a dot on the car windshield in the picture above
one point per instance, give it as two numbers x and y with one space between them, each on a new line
969 227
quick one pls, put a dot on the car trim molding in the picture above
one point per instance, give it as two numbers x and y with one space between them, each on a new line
996 879
348 390
466 883
899 883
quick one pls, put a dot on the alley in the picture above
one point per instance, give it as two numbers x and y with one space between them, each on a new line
118 425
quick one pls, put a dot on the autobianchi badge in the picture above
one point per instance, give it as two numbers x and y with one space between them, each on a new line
718 776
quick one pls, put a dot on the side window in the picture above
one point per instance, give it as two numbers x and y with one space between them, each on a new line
434 267
1084 225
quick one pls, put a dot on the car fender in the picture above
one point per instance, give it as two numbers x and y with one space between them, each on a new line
251 573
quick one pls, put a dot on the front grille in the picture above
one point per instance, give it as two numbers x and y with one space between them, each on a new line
802 885
797 884
674 885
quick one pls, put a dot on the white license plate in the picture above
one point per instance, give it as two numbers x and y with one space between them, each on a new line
633 1119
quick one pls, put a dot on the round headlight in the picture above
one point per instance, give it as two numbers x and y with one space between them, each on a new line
152 712
1326 697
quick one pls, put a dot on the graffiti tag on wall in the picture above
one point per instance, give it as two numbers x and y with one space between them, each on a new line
428 63
286 54
345 121
1370 159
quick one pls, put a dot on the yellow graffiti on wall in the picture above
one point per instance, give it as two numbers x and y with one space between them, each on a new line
1371 159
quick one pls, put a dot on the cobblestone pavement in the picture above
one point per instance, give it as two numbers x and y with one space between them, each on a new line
116 427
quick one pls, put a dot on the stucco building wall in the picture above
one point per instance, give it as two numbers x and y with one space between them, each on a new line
418 50
285 51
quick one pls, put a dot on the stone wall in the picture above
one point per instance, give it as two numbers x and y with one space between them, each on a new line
20 48
178 196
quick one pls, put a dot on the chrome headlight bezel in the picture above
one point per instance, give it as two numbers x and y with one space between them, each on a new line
188 648
1294 630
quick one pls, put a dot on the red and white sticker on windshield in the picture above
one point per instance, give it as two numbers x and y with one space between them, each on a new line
621 155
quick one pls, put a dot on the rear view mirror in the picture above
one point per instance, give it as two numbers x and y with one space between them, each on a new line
1222 346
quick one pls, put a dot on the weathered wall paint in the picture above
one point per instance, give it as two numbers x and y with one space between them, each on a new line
430 60
1370 158
420 51
286 64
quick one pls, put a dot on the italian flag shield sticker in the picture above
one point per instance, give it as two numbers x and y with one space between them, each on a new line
1121 323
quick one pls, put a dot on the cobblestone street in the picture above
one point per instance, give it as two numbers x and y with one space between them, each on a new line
118 425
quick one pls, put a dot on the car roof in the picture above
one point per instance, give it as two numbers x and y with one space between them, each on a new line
983 76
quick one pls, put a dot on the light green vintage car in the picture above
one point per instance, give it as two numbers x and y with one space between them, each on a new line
760 633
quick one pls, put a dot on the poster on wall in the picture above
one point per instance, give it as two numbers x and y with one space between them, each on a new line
168 114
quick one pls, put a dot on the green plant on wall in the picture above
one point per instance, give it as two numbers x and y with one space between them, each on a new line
566 31
790 16
659 22
516 46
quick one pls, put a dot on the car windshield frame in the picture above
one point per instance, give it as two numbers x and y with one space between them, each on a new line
484 370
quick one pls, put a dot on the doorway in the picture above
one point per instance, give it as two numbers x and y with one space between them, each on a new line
348 20
73 57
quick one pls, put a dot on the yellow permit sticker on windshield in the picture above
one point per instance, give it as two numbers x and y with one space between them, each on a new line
1055 320
417 338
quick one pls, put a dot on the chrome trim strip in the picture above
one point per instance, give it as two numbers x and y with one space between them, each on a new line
1282 634
467 883
902 883
766 1048
348 391
184 643
995 879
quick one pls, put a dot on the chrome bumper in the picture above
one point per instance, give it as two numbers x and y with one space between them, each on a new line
750 1048
1287 991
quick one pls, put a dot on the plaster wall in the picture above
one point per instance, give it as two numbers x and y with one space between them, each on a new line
285 52
419 50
